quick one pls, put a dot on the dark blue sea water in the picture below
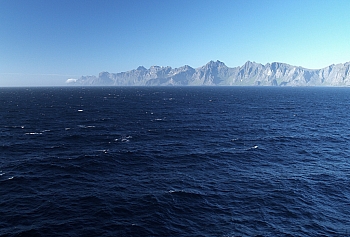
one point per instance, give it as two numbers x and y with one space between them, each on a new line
175 161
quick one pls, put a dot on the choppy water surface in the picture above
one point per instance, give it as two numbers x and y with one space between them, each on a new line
182 161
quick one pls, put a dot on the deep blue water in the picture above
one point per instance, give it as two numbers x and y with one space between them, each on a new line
175 161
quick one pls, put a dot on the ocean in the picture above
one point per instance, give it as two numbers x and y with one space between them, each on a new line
174 161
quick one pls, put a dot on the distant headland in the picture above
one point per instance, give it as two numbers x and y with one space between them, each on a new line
216 73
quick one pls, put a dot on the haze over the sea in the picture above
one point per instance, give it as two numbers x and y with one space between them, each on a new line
43 43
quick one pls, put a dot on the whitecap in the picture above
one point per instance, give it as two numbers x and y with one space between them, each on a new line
33 133
104 151
86 126
14 126
123 139
251 148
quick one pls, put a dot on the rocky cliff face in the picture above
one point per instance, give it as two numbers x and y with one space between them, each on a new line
217 73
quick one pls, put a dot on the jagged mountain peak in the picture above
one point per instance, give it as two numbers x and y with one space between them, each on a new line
216 63
186 67
251 64
141 68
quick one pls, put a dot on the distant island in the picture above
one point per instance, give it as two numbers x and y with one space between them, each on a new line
218 74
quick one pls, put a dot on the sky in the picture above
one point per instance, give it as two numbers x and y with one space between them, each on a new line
45 42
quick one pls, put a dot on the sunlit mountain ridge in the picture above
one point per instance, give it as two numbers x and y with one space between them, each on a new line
216 73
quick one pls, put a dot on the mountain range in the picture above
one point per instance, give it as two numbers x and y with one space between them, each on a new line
216 73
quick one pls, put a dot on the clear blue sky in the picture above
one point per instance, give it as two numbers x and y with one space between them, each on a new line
45 42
